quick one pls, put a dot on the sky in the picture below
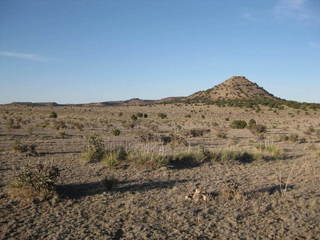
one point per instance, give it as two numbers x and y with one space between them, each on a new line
81 51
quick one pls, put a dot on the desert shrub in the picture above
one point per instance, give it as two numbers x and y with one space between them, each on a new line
294 137
35 183
109 182
252 123
145 115
94 149
238 124
28 149
134 117
140 114
310 130
146 137
62 134
162 115
284 137
53 115
258 129
197 132
222 134
165 139
59 124
113 158
178 140
12 124
116 132
78 125
187 116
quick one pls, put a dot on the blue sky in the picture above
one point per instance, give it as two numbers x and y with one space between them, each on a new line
78 51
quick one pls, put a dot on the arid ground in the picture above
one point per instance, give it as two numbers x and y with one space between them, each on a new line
219 183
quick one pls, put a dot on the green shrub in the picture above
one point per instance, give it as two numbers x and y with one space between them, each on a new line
252 123
134 117
53 115
116 132
162 115
238 124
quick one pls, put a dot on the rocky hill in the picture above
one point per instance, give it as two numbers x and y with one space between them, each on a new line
236 87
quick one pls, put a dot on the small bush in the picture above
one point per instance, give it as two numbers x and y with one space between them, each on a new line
35 183
116 132
252 123
12 124
197 132
162 115
109 182
53 115
258 129
28 149
139 114
238 124
94 150
222 134
134 117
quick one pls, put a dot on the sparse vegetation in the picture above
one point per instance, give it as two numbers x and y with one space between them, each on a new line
94 150
35 183
238 124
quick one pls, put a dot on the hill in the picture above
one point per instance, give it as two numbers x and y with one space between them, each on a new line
234 88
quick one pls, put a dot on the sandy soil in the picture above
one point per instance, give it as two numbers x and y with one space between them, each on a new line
276 199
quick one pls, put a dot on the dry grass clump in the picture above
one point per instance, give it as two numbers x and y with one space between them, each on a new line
148 160
113 158
229 156
274 151
35 183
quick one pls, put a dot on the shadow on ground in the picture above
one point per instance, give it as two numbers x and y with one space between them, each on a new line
75 191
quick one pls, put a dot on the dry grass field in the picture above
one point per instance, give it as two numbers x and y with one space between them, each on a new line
164 171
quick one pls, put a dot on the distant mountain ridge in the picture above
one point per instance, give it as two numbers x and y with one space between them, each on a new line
235 91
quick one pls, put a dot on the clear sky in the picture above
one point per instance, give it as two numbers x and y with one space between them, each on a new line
78 51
